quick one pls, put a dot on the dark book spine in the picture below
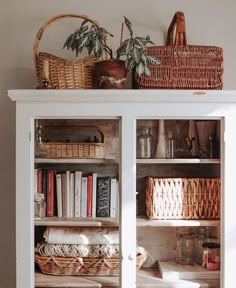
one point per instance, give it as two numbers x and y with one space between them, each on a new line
44 183
39 181
103 196
50 194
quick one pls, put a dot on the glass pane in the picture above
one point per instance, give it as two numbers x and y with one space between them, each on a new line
77 201
178 200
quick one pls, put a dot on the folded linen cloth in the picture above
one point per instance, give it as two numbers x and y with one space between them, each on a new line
78 250
81 235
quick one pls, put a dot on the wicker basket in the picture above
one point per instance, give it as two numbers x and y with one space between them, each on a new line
62 149
63 73
183 198
183 66
83 266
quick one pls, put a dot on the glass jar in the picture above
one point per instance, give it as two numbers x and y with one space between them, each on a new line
204 235
199 240
211 256
185 248
144 144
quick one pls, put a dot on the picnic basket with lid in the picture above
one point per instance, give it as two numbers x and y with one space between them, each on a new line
183 66
63 73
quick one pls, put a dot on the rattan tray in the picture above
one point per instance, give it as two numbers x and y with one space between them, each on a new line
65 148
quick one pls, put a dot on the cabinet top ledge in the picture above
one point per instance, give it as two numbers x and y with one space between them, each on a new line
122 95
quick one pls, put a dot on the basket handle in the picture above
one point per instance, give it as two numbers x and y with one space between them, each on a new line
49 22
177 25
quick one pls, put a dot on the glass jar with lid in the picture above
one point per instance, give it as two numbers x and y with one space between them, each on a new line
211 256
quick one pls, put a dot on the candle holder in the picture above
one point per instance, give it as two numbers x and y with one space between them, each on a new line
189 145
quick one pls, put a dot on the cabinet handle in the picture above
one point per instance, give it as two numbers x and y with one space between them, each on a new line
130 257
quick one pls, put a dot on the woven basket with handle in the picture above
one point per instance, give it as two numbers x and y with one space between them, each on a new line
63 73
183 66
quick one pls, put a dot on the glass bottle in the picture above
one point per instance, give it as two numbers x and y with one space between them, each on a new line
144 144
40 149
169 145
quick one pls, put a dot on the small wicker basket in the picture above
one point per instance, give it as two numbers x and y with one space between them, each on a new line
183 198
63 73
63 149
83 266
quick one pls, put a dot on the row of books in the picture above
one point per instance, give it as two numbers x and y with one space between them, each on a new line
73 194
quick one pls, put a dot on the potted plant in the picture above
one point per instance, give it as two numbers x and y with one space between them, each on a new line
111 73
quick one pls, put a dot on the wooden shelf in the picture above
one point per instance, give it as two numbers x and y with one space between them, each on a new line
146 277
178 161
90 222
171 270
114 222
76 161
144 222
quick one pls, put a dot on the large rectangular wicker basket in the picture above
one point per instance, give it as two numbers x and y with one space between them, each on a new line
183 66
102 266
183 198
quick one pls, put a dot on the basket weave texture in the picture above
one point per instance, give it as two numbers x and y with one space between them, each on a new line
83 266
183 66
64 73
183 198
60 149
74 150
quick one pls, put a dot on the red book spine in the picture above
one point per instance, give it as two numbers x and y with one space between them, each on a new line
39 181
50 193
89 195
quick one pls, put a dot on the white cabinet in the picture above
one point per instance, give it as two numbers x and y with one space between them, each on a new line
127 108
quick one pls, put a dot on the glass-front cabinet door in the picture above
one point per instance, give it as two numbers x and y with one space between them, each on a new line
125 188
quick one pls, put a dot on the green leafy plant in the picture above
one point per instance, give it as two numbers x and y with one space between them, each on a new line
93 38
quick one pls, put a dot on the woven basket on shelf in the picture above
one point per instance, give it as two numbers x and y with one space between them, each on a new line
63 73
83 266
183 198
183 66
63 149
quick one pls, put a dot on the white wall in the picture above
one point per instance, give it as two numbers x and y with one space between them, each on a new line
209 22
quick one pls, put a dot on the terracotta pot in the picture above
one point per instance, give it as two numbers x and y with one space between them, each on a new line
110 74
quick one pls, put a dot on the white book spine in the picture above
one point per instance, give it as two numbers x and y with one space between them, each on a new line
59 195
64 196
78 187
68 194
72 194
84 197
113 201
117 199
94 193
